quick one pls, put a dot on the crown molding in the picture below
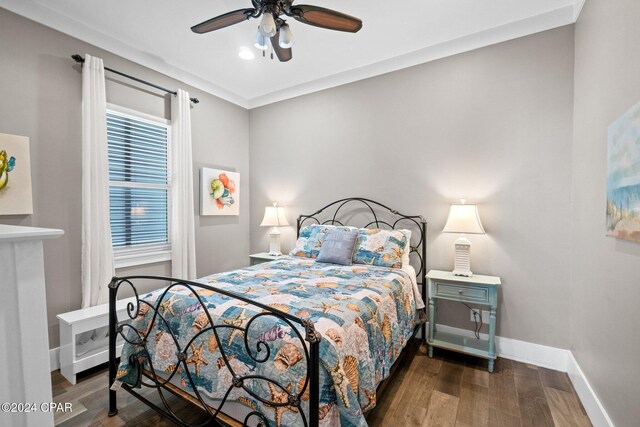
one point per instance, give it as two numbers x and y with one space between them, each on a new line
52 19
579 4
534 24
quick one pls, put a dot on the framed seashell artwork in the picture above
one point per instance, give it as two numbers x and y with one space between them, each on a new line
219 192
15 176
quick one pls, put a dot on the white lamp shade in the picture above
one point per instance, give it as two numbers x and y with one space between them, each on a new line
286 39
274 217
262 42
464 219
267 25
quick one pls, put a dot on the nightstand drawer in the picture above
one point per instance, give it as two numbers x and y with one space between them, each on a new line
473 294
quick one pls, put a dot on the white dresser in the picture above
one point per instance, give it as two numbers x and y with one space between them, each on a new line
24 338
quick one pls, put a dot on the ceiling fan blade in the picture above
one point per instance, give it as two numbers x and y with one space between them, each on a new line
283 54
222 21
326 18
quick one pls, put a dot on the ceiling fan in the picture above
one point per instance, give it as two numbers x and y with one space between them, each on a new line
274 28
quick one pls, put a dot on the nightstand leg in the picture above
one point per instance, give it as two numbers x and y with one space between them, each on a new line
432 323
435 314
492 337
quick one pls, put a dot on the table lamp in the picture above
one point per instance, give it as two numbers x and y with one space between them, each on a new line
463 219
274 217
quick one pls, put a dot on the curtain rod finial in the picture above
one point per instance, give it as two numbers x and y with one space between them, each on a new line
79 59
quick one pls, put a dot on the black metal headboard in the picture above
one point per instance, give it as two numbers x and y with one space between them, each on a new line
391 219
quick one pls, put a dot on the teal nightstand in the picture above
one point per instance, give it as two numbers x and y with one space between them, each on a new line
481 290
263 257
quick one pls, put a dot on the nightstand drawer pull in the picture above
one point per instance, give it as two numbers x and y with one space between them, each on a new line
463 293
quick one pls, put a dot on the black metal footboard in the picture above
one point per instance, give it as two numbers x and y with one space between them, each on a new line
286 398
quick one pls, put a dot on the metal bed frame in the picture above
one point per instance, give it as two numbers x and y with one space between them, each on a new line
149 377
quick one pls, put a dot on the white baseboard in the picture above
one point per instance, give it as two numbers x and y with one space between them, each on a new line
534 354
54 358
597 414
521 351
552 358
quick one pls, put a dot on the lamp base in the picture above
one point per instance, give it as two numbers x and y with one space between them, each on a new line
274 242
462 265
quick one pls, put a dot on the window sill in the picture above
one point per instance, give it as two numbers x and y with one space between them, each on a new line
131 257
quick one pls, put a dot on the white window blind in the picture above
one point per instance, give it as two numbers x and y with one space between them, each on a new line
139 187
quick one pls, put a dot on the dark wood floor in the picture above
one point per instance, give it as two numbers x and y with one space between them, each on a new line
448 390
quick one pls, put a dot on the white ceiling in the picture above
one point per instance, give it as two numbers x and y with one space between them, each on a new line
396 34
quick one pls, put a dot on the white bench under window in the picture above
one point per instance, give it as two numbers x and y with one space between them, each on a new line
74 358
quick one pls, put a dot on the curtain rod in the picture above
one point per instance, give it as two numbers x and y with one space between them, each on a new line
79 59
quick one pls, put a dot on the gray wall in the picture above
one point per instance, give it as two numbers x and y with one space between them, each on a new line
606 271
493 125
41 98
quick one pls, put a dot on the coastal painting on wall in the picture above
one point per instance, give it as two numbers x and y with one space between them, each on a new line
623 177
15 176
219 192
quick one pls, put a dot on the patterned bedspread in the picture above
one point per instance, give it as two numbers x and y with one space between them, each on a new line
365 314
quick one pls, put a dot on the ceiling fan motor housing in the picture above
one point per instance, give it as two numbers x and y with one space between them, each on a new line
275 7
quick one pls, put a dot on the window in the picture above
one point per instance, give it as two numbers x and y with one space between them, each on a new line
139 186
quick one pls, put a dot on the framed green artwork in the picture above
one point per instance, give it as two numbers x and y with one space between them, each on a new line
15 176
219 192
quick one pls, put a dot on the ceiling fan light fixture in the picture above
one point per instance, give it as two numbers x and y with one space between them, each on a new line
268 25
262 42
286 39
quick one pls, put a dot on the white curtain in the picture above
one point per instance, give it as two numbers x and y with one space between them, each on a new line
97 251
183 241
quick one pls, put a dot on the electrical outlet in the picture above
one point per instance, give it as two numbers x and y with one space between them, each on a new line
485 316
